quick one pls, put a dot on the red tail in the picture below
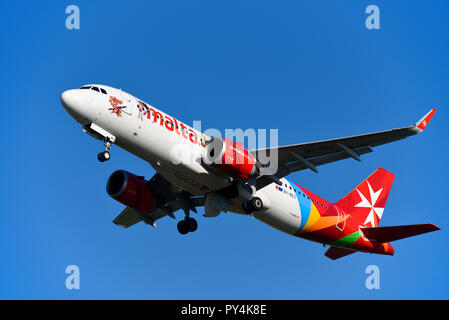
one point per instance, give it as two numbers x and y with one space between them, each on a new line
366 203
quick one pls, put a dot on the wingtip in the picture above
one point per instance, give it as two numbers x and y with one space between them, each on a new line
434 227
424 121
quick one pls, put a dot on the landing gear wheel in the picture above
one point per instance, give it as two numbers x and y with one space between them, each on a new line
183 227
103 156
257 203
192 224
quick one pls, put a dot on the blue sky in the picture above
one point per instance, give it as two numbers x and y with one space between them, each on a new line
310 69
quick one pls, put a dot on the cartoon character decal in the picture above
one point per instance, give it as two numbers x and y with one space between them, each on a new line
116 106
204 140
143 109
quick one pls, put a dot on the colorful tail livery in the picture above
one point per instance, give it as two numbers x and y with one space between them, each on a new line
357 218
366 203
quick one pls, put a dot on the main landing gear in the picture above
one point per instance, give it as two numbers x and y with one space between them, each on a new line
187 225
254 204
105 155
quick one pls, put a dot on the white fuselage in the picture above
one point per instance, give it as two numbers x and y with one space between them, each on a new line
161 139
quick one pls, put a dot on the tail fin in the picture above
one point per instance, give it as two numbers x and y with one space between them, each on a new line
366 203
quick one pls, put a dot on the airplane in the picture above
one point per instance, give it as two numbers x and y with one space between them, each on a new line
218 182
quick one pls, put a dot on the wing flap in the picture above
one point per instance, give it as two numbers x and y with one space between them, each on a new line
388 234
127 218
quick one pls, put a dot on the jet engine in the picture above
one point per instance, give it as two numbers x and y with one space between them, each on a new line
231 158
130 190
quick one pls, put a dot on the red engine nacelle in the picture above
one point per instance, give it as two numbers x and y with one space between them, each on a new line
130 190
230 158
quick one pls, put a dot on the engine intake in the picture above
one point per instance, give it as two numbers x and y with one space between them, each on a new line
230 158
130 190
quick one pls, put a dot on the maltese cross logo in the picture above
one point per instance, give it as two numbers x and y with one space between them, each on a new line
371 205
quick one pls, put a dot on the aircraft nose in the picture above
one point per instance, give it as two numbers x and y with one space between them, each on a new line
69 101
73 103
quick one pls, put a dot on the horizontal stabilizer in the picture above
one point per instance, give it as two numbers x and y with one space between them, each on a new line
387 234
337 252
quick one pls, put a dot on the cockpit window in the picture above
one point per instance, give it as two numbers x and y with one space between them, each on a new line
95 88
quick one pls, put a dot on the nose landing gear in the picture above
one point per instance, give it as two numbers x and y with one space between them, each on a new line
105 155
99 133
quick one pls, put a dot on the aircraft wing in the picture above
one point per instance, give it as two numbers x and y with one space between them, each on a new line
170 201
310 155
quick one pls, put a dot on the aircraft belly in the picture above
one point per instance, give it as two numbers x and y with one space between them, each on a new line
190 181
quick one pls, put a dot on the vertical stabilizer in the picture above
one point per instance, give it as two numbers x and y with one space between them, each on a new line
366 203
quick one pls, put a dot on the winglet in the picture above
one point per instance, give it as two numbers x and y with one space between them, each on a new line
422 124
